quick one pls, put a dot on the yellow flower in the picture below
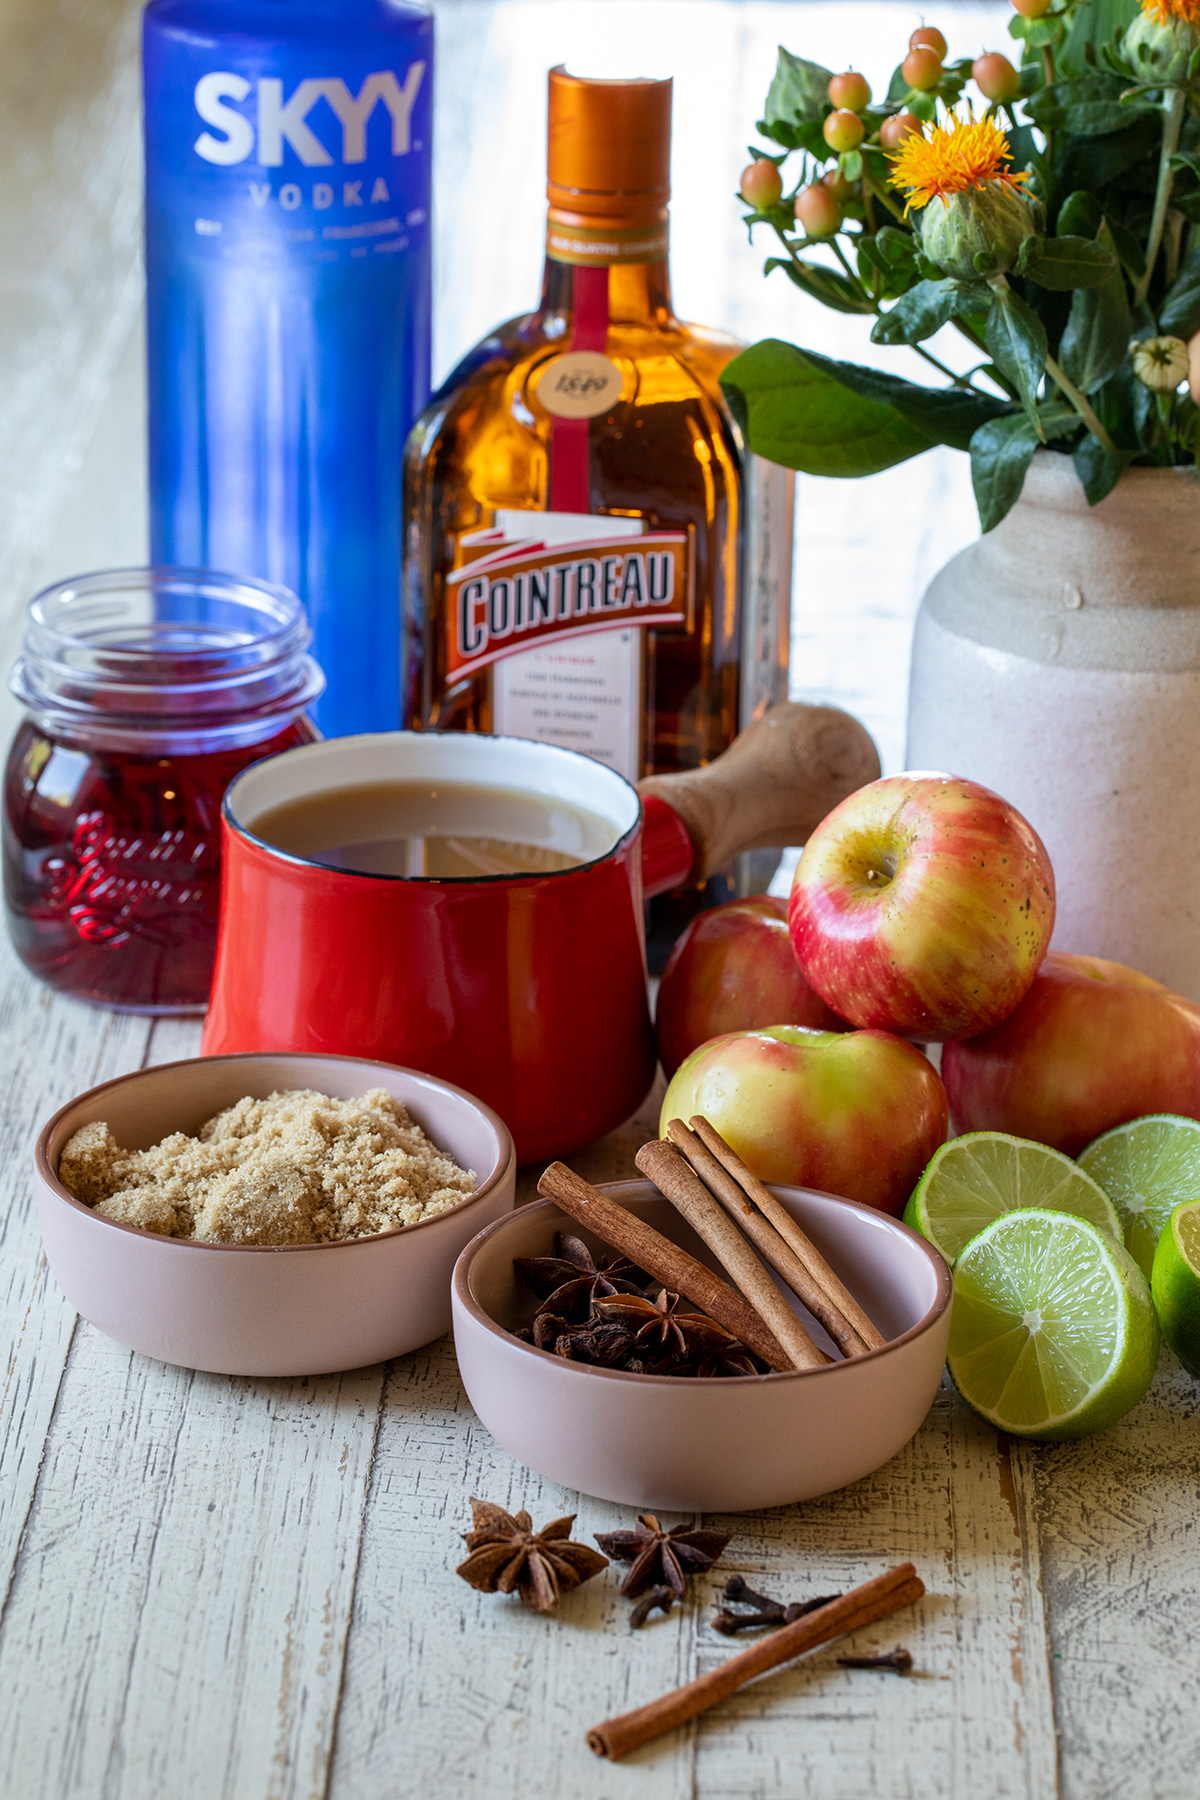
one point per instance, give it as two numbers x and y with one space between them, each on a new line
1163 12
966 153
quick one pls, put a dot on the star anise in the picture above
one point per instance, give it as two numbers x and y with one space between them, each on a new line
660 1328
571 1280
662 1558
507 1554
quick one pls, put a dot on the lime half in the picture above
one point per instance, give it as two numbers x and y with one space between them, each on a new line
1176 1284
1147 1169
1053 1332
977 1178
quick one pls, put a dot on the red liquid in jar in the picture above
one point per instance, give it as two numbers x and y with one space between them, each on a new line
112 866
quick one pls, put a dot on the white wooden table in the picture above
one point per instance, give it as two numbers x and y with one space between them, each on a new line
226 1590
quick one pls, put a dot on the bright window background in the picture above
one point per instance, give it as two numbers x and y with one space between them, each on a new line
72 424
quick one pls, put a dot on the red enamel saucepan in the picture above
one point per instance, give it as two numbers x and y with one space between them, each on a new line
528 990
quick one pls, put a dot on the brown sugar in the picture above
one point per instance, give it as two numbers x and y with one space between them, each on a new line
295 1168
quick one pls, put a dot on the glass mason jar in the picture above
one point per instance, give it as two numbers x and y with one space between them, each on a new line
145 692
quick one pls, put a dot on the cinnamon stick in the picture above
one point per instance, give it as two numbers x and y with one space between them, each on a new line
790 1232
766 1239
669 1172
875 1599
624 1231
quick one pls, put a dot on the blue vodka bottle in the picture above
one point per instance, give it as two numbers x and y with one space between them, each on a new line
288 274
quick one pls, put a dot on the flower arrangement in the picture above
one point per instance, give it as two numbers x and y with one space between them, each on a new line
1054 223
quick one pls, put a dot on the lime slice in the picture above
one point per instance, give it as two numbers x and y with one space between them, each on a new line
1147 1169
1175 1284
978 1177
1053 1332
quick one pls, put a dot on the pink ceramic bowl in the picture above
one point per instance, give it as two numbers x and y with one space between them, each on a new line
295 1309
708 1446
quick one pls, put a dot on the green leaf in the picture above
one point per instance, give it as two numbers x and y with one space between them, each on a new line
798 95
795 412
945 415
1099 469
1001 452
1080 215
1048 30
1016 341
1179 314
1070 262
851 165
920 312
1128 248
833 418
887 262
1092 27
1095 162
1087 107
1057 419
1096 338
820 283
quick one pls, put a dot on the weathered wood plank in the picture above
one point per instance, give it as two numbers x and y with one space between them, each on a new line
177 1621
972 1718
50 1049
1119 1524
454 1692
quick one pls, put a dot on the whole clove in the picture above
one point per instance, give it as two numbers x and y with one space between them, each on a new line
898 1659
771 1613
864 1606
661 1597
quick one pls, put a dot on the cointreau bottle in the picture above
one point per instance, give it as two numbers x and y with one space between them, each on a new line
578 546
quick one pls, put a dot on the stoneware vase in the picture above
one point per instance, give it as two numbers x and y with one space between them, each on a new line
1057 660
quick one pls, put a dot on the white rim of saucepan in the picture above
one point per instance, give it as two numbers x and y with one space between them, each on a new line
945 1292
463 747
505 1161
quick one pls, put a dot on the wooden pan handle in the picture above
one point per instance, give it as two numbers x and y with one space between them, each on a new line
773 784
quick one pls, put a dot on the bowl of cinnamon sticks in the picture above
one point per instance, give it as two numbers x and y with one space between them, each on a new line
697 1340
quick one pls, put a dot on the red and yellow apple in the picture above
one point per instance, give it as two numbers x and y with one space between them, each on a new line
923 904
855 1113
733 969
1092 1045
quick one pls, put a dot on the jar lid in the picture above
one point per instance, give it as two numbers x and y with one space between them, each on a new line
163 659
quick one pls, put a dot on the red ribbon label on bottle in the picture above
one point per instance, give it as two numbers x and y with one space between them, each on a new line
512 595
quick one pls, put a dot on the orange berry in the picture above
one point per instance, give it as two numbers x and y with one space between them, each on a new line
852 90
995 77
893 131
843 130
761 184
931 36
818 211
922 69
838 186
1032 9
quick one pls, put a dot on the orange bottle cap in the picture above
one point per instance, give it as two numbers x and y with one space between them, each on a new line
608 138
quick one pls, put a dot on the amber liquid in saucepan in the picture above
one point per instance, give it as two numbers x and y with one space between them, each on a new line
451 830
